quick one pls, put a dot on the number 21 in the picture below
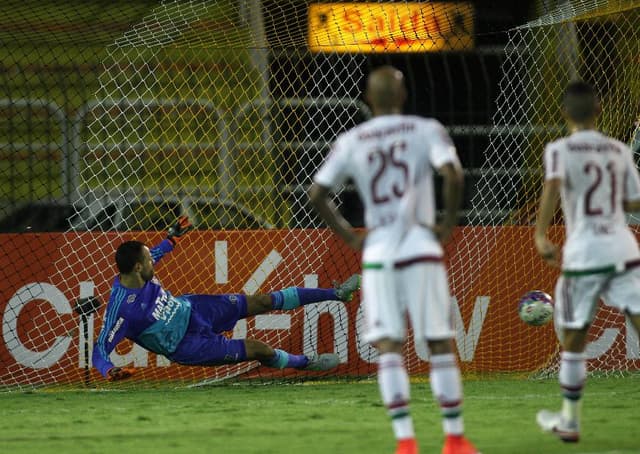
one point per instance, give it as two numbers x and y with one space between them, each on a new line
592 167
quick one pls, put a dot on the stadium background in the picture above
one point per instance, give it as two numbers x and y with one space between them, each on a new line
54 51
81 169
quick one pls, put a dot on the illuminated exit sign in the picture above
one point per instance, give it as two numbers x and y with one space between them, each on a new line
390 27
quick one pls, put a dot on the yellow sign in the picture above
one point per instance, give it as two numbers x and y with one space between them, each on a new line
390 27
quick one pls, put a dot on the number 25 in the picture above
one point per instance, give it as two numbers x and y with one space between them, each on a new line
385 160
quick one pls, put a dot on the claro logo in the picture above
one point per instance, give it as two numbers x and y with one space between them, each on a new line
55 338
40 359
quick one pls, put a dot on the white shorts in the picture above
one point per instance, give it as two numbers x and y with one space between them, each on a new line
576 297
419 290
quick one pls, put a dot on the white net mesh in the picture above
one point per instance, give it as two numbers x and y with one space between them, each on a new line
591 40
217 109
186 120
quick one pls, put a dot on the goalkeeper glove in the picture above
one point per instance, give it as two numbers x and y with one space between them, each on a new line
182 226
120 373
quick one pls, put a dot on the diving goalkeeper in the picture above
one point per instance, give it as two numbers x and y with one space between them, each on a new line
187 329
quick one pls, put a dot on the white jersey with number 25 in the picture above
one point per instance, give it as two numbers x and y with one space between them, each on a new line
390 159
598 174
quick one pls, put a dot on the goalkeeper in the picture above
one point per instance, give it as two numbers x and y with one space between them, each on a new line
187 329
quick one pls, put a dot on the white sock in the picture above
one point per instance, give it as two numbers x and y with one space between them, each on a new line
446 385
393 381
573 372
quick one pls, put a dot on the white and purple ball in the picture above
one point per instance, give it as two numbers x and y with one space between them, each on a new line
536 308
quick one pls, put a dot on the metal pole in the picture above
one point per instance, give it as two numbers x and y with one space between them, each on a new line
85 335
251 13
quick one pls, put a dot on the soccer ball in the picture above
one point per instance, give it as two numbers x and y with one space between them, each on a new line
535 308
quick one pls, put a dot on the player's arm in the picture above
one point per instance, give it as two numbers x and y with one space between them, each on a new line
331 174
319 197
453 183
546 210
443 157
112 333
174 234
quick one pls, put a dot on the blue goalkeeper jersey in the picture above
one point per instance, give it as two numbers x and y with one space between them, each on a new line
150 316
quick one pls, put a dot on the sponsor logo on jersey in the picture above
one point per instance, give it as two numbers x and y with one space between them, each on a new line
115 329
131 298
165 307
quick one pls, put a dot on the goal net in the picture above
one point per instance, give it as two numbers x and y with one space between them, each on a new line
223 110
590 40
217 110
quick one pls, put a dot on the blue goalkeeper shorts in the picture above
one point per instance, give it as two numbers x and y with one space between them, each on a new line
203 344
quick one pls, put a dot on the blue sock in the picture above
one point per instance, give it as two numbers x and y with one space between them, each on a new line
292 297
282 359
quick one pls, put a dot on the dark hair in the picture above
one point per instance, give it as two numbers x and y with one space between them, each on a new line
128 254
580 101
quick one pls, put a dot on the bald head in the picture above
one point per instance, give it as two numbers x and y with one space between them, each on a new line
386 92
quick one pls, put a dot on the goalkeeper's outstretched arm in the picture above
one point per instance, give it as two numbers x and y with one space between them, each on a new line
174 234
113 331
160 250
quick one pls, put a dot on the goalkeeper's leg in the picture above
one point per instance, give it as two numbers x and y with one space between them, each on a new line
212 349
280 359
293 297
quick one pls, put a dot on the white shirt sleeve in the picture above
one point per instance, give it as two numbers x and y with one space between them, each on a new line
442 149
333 171
553 165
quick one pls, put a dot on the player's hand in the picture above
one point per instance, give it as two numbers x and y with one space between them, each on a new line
120 373
547 250
177 230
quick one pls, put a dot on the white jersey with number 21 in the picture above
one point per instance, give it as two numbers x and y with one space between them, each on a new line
390 159
597 174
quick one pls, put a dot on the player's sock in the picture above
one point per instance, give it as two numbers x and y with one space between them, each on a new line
292 297
446 386
393 381
282 359
573 372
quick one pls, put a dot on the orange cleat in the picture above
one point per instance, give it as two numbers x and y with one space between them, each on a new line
457 444
407 446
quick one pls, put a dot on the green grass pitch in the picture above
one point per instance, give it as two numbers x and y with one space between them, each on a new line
328 417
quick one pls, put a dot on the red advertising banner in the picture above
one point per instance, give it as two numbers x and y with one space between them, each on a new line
43 339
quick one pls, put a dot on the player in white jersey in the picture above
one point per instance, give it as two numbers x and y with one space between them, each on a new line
597 182
391 158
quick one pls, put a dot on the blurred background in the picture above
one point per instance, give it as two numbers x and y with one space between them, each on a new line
66 144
